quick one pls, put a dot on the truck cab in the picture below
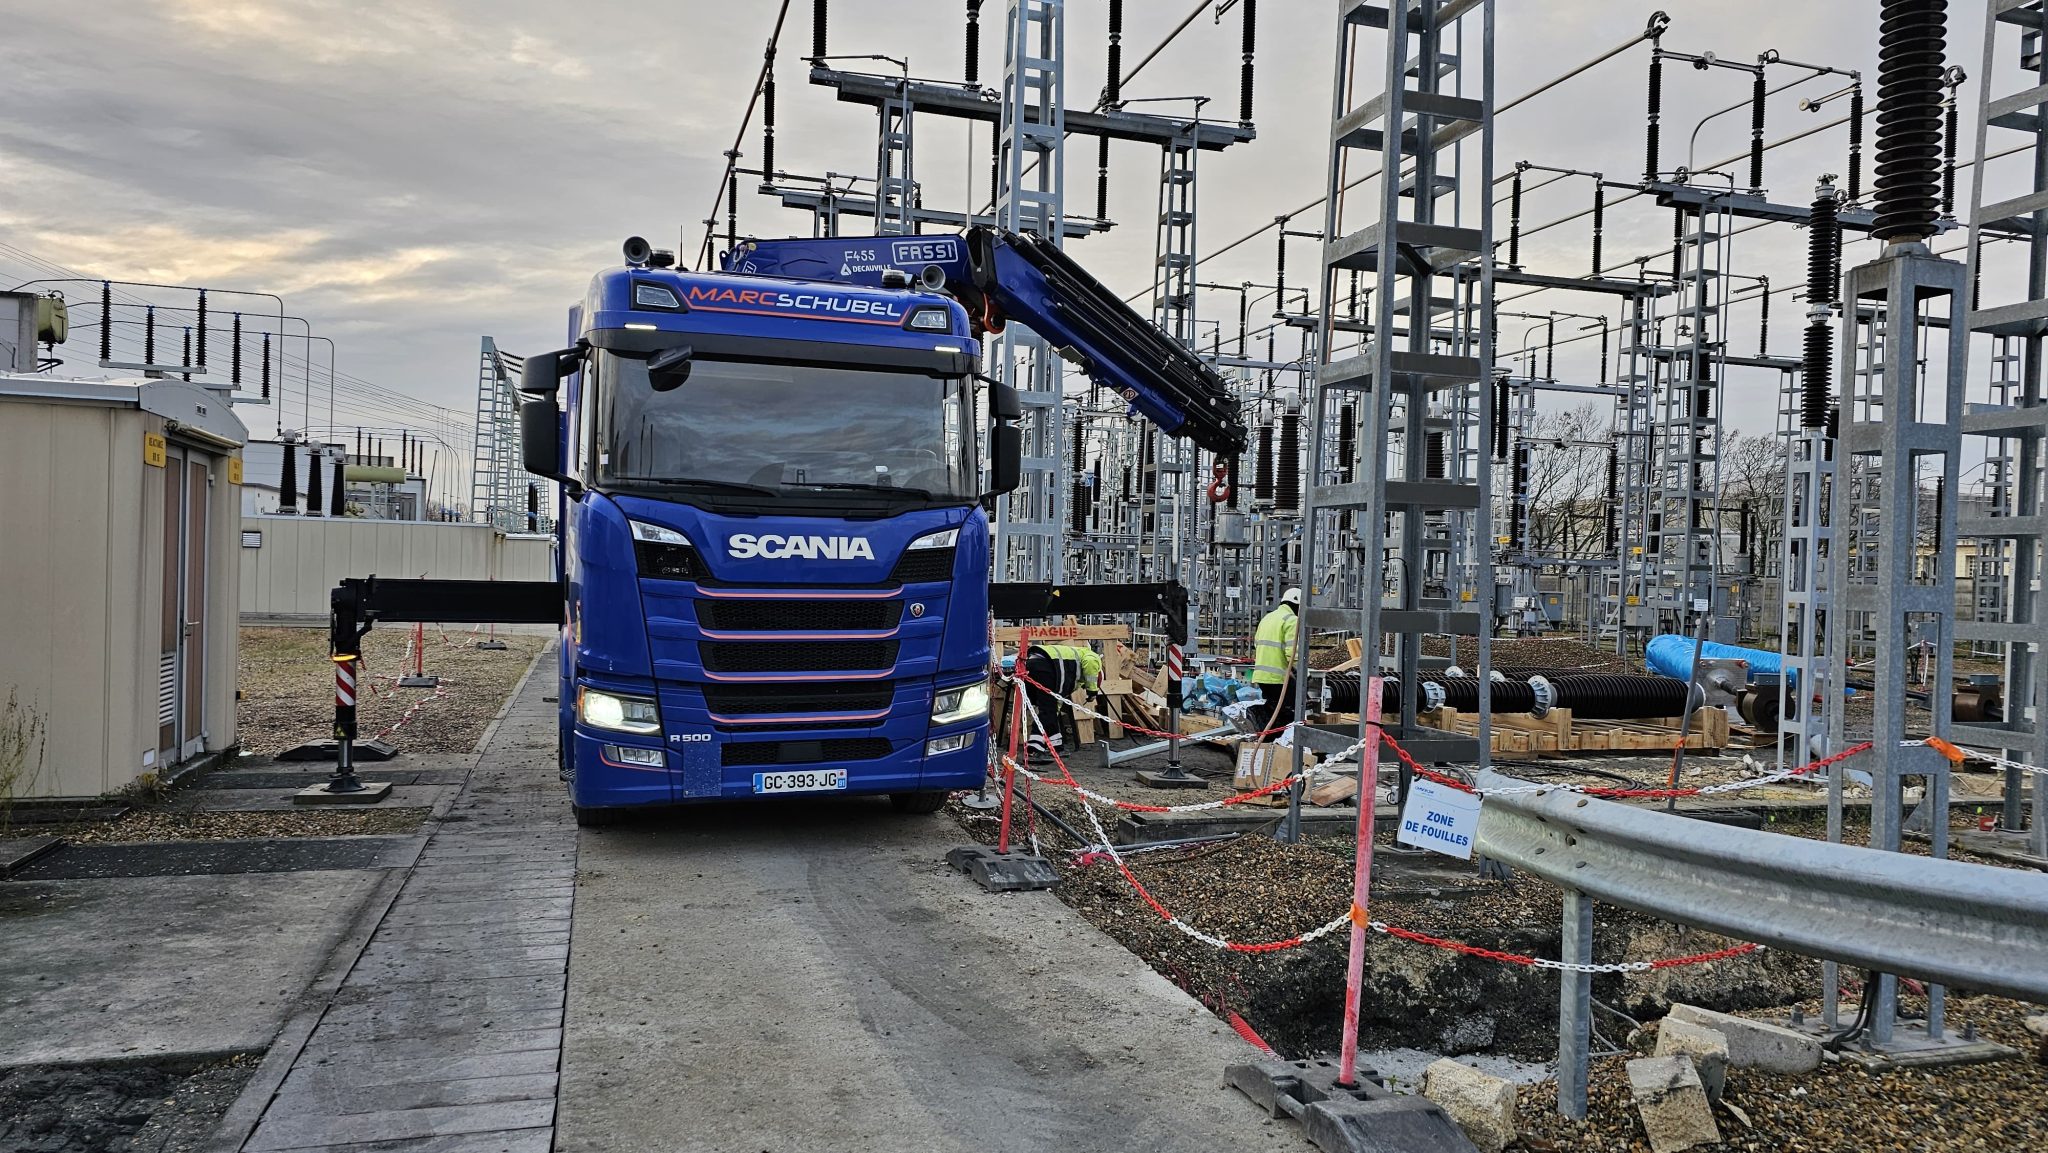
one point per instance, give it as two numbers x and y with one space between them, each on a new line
774 550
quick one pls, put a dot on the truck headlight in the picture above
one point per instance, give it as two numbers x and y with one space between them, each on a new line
945 539
617 712
961 704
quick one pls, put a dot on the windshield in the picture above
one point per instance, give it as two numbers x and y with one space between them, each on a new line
787 428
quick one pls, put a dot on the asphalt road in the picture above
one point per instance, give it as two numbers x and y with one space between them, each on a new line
814 977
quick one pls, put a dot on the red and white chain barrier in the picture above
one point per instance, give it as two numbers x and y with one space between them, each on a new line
416 706
1355 916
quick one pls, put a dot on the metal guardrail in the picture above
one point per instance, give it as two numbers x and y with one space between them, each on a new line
1977 927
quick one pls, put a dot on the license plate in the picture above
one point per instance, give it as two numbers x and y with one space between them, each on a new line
800 781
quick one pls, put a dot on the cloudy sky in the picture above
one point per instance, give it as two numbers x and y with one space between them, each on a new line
412 176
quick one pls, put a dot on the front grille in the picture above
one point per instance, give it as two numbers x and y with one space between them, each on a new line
796 656
925 564
799 615
669 562
806 752
768 700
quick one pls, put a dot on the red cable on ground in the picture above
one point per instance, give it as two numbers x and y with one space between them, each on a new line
1245 1030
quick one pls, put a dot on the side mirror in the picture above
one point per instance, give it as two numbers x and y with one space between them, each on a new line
543 372
540 436
1005 438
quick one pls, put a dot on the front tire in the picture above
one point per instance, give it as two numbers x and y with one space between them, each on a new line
589 818
926 801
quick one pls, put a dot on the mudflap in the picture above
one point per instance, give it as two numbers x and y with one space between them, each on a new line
1367 1118
1003 872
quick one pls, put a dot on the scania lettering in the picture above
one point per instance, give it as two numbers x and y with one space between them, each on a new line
772 523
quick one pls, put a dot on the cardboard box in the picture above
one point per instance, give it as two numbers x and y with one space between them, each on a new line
1261 765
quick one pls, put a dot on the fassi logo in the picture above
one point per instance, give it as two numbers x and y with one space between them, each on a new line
769 546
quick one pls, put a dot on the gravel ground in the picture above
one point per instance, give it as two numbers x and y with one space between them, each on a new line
1538 652
119 1108
182 825
1991 1108
288 687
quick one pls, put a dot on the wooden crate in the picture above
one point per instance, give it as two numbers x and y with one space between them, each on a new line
1558 733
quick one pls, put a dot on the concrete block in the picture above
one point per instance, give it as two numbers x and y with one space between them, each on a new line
1483 1105
1672 1103
1384 1125
1708 1049
1756 1044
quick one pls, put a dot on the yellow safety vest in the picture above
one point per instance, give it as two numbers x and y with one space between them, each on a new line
1273 649
1091 664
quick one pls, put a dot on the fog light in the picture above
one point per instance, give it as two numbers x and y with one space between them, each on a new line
952 744
637 758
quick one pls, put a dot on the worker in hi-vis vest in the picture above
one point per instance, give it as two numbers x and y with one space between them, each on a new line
1059 668
1273 660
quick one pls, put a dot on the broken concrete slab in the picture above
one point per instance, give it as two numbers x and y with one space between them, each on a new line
1756 1044
1672 1103
1483 1105
1707 1047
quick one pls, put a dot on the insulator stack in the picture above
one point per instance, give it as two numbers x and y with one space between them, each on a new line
266 368
288 478
1550 349
1244 80
1911 37
185 354
336 497
1603 350
1677 242
1823 238
818 14
1948 157
106 320
1262 467
1347 442
1077 507
1617 697
1940 492
199 349
1236 461
1102 178
1613 471
1150 465
1655 105
1280 266
1763 320
1433 464
1515 222
1094 491
1518 518
1599 222
1287 485
532 507
149 335
1756 131
1856 142
768 119
1500 420
1127 484
732 204
313 501
235 351
973 70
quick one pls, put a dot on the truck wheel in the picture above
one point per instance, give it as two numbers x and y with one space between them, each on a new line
928 801
588 818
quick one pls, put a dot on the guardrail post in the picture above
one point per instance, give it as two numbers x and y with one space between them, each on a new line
1575 1006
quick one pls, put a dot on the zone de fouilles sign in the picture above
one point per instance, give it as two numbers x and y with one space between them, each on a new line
1441 819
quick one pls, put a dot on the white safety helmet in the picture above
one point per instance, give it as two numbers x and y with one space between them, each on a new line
1291 597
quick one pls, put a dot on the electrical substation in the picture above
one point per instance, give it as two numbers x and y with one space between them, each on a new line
1540 642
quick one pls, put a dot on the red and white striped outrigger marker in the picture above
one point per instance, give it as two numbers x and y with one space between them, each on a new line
344 780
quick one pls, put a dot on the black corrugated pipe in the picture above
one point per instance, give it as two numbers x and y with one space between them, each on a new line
1244 80
818 20
1618 698
1756 132
1655 106
1262 468
288 479
313 501
1911 37
973 70
1287 484
106 320
1823 234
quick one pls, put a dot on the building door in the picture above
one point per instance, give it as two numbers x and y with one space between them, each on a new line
181 667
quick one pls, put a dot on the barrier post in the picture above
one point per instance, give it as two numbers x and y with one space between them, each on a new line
1575 1006
1017 704
1361 881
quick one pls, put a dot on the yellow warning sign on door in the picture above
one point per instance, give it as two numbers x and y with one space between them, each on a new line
234 470
154 449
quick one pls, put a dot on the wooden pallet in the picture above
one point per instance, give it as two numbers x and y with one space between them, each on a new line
1560 734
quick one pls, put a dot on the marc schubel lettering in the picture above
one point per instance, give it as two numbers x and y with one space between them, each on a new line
807 303
770 546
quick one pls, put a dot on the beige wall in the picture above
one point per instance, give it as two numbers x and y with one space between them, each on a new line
303 558
81 565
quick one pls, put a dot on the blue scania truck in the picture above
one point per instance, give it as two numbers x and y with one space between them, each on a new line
774 542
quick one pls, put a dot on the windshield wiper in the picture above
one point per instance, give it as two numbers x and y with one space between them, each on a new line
868 486
694 482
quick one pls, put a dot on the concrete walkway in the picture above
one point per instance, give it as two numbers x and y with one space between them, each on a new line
445 1034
